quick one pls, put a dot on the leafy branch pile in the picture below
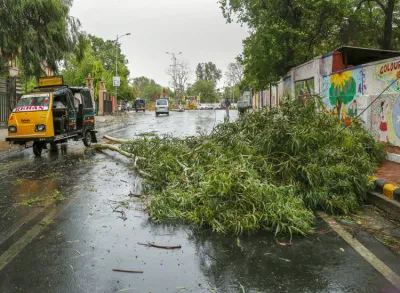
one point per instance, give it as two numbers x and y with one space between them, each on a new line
268 170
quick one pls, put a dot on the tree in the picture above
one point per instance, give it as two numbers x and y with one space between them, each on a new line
234 73
388 9
139 83
205 89
285 33
37 32
179 75
208 71
104 50
97 60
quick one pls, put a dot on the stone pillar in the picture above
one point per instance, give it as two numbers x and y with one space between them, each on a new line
89 84
102 90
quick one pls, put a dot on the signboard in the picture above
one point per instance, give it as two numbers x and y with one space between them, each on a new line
50 81
116 81
247 96
386 74
31 108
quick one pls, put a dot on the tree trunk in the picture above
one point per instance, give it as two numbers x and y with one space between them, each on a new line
388 28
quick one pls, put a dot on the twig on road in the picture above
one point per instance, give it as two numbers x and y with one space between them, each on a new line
127 271
123 215
136 195
283 243
148 244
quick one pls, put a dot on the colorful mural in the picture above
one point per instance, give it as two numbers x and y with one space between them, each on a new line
304 88
385 114
341 92
386 74
386 118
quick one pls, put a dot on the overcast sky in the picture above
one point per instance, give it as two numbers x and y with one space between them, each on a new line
194 27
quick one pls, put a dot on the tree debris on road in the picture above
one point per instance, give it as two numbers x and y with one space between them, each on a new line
269 170
148 244
127 271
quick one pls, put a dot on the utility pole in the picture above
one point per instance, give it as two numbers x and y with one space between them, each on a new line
116 63
174 72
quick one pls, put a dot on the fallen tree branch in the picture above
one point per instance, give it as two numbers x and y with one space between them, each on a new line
127 271
113 148
117 140
148 244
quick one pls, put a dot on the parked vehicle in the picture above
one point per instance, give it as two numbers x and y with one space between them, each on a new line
140 105
162 107
121 108
205 107
52 113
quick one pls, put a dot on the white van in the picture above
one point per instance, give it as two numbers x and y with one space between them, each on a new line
162 107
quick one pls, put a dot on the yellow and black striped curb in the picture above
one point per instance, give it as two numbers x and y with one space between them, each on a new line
385 188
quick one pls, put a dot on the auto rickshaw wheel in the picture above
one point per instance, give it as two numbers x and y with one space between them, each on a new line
37 149
87 140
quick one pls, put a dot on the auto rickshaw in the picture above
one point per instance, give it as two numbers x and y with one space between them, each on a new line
52 113
139 105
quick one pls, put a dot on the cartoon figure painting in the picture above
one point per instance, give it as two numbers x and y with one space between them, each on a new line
383 126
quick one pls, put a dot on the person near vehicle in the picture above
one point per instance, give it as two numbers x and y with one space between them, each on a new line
227 106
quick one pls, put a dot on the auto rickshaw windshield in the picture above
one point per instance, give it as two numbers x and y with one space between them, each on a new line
37 102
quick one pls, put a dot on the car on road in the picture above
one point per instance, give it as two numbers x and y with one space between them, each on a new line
121 108
205 107
140 105
162 107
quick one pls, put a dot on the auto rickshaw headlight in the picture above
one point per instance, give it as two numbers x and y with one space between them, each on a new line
40 128
12 128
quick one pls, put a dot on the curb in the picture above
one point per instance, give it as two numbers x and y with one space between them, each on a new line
391 207
386 189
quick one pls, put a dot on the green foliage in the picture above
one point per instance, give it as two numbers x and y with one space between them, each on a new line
98 59
205 89
139 83
268 170
208 71
37 31
285 34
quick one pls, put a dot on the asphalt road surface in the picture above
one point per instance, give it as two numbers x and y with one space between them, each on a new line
60 231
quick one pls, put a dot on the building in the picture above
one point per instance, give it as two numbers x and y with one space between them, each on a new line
349 79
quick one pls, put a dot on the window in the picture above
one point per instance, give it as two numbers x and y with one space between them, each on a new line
162 102
33 103
87 99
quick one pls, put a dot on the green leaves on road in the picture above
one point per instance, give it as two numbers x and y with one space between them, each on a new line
269 170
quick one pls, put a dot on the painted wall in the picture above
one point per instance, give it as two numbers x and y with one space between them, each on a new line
304 88
385 112
285 88
342 93
349 92
326 64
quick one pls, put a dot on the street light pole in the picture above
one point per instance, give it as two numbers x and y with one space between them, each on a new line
116 61
174 77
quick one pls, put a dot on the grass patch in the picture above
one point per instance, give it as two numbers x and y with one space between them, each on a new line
57 195
46 223
92 189
126 203
18 182
31 202
390 241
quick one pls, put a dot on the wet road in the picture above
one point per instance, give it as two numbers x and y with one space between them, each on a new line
59 232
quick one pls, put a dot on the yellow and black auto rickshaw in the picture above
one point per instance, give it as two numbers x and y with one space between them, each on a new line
52 113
